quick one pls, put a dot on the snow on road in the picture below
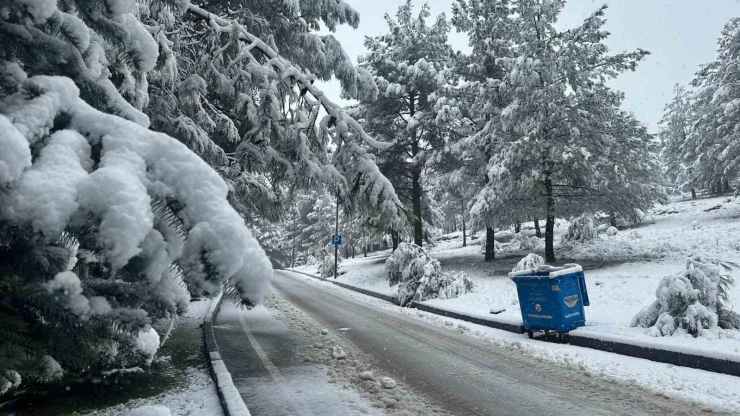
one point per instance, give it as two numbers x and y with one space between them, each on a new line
311 370
706 390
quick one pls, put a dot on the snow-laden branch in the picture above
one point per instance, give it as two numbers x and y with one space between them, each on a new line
288 70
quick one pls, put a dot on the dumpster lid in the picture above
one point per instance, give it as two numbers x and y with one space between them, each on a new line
553 271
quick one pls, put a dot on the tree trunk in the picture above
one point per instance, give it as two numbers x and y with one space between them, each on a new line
415 178
550 223
537 228
726 185
462 215
612 219
416 199
394 238
490 244
693 193
365 249
517 227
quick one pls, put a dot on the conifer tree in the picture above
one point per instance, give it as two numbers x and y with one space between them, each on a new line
410 67
559 141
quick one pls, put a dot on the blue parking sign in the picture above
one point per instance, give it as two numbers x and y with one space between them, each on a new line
336 239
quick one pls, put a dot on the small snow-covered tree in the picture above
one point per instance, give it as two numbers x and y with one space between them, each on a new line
318 224
695 301
419 277
675 128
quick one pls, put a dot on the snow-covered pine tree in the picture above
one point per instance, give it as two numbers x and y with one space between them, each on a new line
104 226
410 67
558 143
675 128
318 223
712 150
477 99
243 98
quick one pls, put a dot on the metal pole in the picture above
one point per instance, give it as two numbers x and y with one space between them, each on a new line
292 258
336 246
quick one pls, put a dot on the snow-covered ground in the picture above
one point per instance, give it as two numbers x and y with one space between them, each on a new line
622 271
195 396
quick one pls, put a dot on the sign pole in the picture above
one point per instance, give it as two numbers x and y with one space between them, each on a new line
336 232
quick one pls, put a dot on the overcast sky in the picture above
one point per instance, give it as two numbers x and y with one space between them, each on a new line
680 34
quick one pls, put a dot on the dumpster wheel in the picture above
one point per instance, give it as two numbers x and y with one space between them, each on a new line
563 337
530 334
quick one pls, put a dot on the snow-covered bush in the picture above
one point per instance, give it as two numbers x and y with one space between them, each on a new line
326 262
581 229
694 301
420 277
529 262
522 242
612 231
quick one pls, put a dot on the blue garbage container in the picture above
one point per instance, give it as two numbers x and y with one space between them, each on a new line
552 298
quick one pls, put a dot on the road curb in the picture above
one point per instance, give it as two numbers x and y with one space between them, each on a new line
231 400
505 326
679 358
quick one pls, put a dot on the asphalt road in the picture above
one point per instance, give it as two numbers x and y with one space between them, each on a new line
463 375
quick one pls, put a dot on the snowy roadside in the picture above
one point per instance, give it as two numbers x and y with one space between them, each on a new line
196 395
618 289
709 391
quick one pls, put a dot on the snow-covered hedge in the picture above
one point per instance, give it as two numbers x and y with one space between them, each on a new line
693 301
420 277
581 229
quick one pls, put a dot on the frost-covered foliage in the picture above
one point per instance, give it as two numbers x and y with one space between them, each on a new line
104 230
694 301
529 262
237 88
581 229
419 277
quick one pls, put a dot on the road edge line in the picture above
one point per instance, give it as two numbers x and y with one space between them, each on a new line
665 356
231 400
